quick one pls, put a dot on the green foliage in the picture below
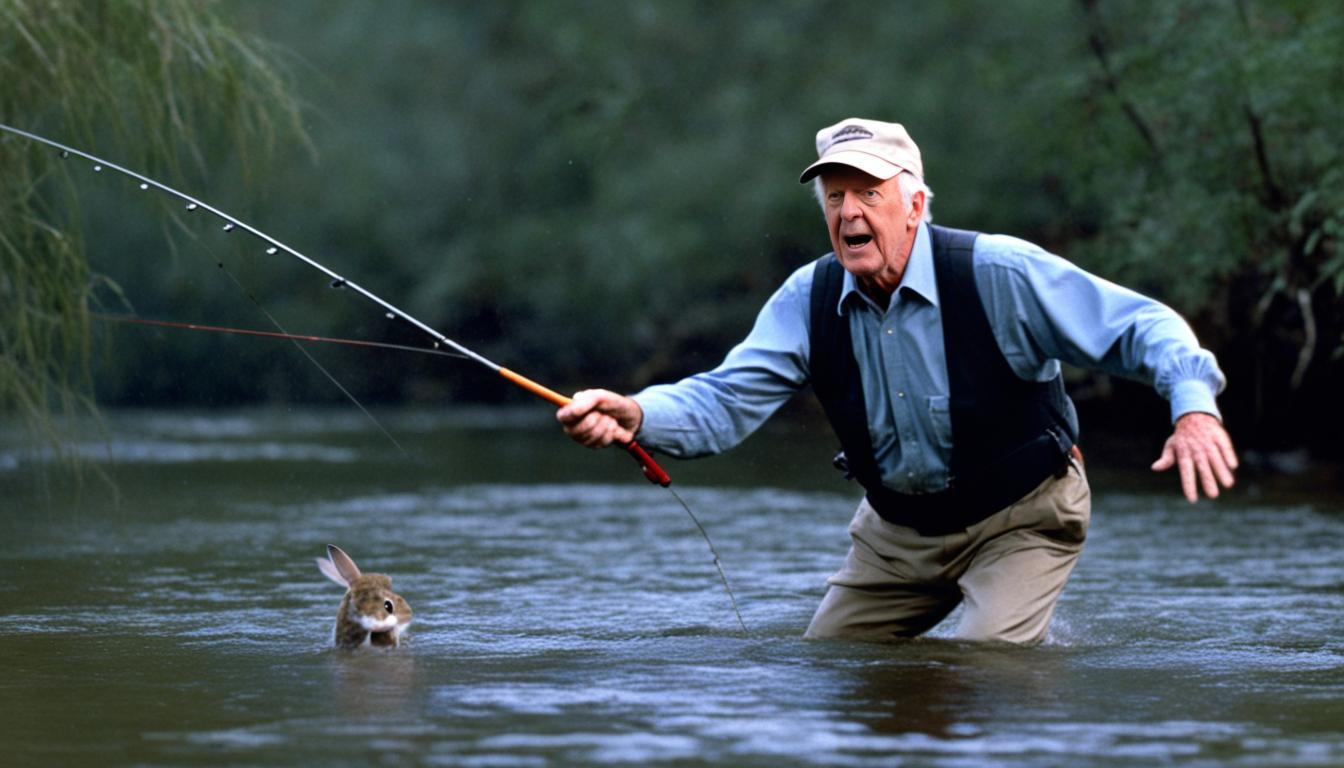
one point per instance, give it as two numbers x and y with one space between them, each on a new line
156 83
604 193
1214 143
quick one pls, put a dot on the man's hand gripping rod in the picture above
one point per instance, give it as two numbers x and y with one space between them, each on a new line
652 471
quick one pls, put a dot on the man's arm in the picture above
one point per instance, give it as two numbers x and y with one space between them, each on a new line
1049 309
709 412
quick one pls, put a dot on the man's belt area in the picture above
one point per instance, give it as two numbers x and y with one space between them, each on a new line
972 498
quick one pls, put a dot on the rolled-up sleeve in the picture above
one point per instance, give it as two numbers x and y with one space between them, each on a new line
711 412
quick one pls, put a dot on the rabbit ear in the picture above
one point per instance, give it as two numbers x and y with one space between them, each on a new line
330 572
344 565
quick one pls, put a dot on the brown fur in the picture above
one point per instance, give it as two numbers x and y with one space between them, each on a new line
368 597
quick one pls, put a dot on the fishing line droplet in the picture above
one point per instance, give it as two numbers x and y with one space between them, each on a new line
272 251
191 206
64 154
228 227
97 169
144 185
391 316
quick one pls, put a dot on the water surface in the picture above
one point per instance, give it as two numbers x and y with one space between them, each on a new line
569 613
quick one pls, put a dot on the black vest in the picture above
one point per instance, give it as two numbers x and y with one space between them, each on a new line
1008 435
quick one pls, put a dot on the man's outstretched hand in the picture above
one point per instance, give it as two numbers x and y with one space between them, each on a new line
597 418
1200 447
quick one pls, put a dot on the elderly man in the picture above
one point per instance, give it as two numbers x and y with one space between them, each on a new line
936 356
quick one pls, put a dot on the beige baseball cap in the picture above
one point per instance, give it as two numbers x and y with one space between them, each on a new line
876 148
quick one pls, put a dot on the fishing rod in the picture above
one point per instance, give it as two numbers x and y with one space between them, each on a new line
129 319
654 473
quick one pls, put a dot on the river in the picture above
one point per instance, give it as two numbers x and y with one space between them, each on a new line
569 613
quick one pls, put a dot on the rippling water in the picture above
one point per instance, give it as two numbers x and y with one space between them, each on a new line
569 613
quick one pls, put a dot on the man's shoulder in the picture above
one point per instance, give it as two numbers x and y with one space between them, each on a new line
1003 255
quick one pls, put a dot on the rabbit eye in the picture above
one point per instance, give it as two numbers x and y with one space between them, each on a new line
387 604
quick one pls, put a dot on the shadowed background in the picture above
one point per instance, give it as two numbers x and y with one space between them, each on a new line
603 194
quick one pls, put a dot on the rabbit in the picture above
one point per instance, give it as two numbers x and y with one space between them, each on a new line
371 614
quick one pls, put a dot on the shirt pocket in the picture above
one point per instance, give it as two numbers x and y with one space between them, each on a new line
940 417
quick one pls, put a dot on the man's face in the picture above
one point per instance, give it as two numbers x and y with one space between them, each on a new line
871 228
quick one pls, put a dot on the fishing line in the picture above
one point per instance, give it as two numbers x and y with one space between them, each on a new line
135 320
349 395
648 466
717 563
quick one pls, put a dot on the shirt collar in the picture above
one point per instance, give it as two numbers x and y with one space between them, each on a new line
918 278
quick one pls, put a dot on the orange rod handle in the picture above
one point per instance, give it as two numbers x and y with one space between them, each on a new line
545 393
652 471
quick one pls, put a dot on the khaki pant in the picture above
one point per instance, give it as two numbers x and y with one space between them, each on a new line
1009 568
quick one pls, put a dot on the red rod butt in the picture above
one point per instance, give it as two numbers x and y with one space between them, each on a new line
652 471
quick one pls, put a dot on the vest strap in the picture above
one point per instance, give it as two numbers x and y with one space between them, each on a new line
1008 435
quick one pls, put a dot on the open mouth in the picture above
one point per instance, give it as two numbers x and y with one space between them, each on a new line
857 241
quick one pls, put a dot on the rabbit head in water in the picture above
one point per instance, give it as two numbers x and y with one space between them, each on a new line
371 613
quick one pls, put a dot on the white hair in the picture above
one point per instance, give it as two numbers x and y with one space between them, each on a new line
909 183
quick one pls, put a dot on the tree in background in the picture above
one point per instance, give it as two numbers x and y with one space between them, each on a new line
163 84
1212 150
604 193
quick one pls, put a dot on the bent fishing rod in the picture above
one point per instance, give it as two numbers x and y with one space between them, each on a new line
654 473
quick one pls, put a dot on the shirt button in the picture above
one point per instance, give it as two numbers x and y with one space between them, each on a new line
900 394
889 331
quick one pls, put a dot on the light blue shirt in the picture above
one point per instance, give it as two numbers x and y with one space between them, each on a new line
1043 310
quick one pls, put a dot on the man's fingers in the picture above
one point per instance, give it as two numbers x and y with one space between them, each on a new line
1203 451
582 413
1199 470
588 421
596 430
1187 467
605 431
579 407
1206 476
588 425
1229 453
1223 471
1167 458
